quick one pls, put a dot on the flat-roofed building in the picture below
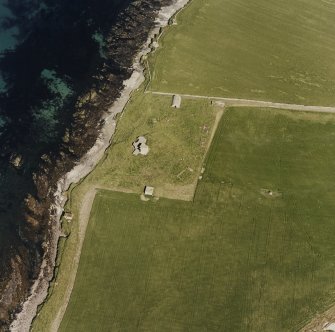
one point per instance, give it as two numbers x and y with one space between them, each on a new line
176 101
148 191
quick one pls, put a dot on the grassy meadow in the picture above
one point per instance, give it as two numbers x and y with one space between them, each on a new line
178 141
281 51
236 258
253 251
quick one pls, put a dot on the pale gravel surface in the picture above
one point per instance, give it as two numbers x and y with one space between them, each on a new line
39 290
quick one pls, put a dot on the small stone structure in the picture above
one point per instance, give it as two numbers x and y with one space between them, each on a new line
140 146
68 216
155 45
148 191
176 101
270 193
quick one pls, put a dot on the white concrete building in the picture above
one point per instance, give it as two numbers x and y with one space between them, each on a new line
148 191
176 101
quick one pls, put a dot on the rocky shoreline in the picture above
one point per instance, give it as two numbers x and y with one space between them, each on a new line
91 131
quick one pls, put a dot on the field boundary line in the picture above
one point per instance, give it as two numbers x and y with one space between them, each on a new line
253 103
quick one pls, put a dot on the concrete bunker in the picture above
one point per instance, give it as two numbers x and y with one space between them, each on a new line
148 191
176 101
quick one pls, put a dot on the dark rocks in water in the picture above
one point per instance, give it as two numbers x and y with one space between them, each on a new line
16 160
17 282
96 83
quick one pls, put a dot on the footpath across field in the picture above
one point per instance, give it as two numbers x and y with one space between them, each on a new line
254 251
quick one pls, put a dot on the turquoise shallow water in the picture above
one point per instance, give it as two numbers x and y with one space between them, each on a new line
7 41
7 36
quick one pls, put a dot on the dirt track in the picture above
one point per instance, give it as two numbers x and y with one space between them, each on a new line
83 219
254 103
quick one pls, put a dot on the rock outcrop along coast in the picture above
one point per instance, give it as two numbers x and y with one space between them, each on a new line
82 143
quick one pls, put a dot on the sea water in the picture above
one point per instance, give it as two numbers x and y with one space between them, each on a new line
7 36
48 52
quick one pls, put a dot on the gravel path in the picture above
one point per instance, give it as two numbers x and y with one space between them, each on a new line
254 103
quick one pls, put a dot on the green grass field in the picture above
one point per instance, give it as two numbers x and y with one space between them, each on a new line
262 49
178 140
234 259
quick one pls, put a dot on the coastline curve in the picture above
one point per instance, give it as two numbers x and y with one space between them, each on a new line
39 290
